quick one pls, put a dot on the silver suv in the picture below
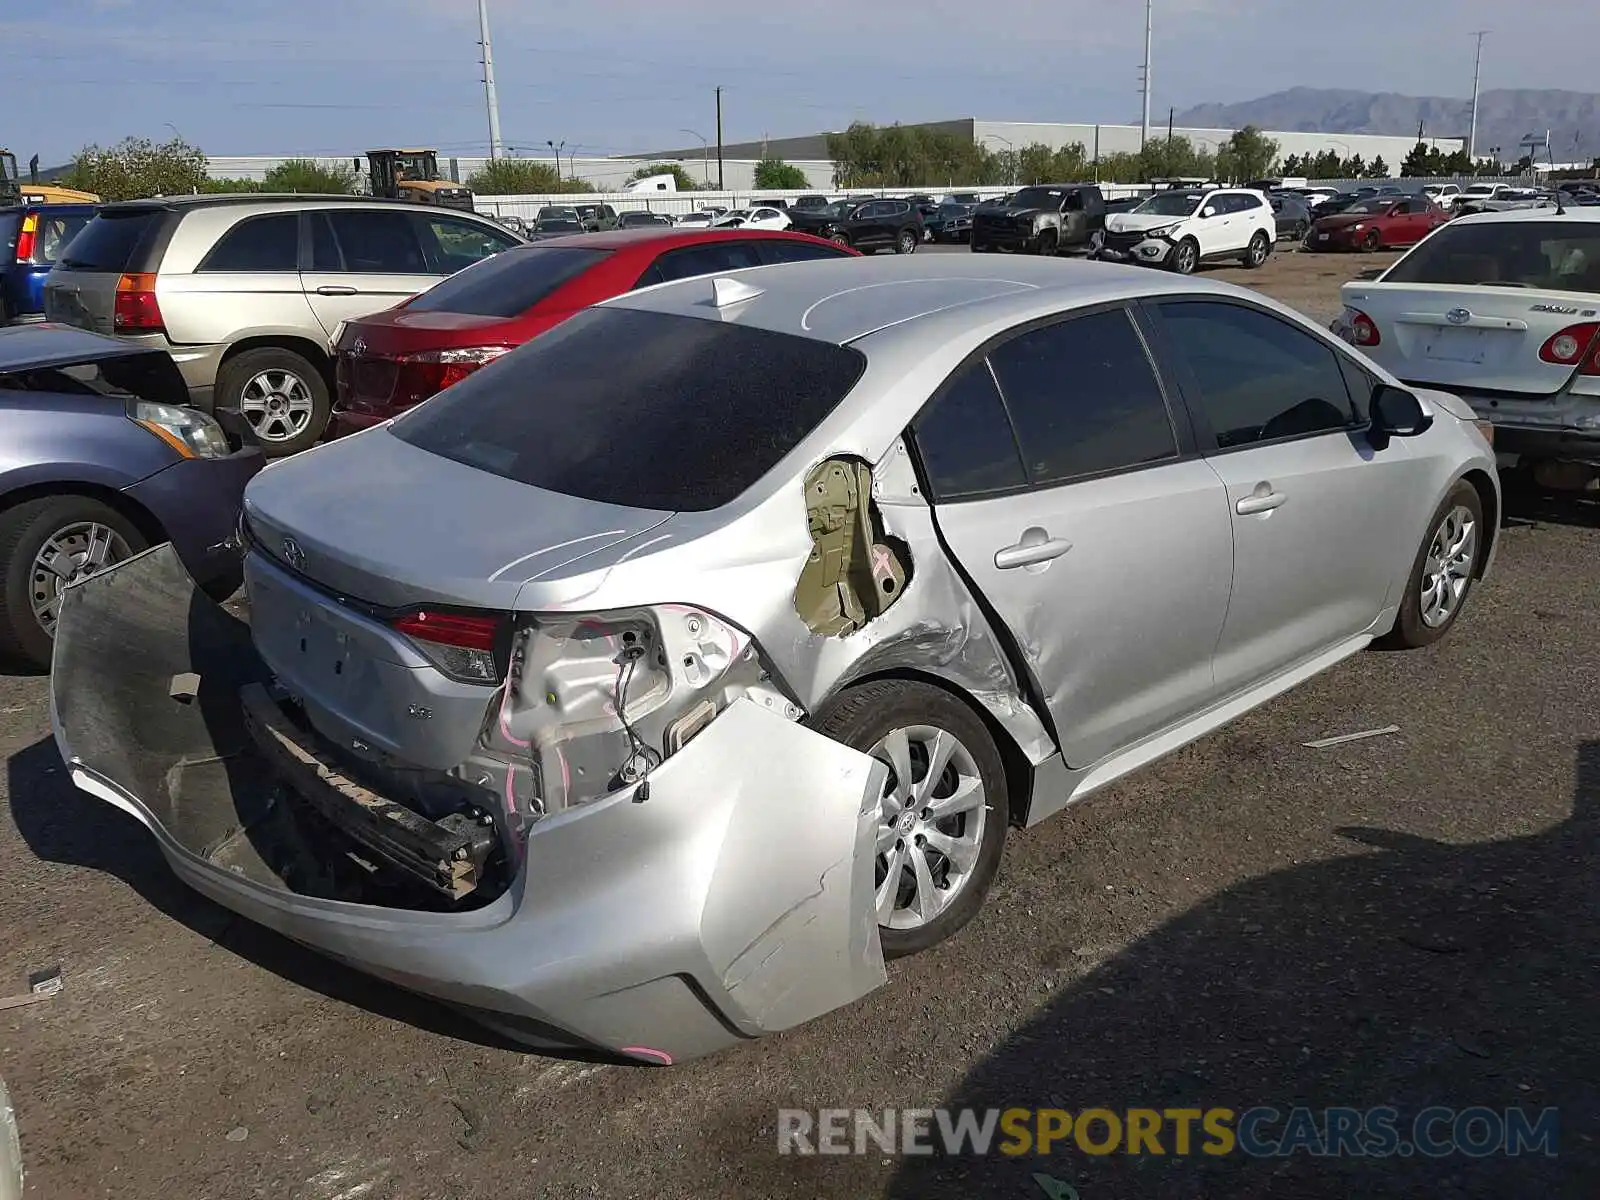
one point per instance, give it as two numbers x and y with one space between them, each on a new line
248 292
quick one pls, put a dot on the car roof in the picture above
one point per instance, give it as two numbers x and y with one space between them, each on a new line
73 209
47 344
1577 214
244 199
654 238
930 297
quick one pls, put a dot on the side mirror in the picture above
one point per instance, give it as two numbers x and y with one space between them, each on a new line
1396 413
1208 212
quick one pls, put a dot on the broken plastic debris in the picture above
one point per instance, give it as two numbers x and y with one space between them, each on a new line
1056 1189
185 687
41 986
1324 743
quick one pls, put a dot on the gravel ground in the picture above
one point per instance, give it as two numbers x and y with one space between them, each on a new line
1405 920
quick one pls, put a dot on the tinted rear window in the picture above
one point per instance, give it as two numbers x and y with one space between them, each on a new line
108 242
648 410
1552 255
507 285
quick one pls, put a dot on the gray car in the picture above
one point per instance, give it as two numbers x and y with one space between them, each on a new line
651 700
247 292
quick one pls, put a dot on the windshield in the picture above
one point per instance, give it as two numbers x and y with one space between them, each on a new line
1369 206
557 225
416 166
694 413
551 211
1561 256
1038 197
1169 204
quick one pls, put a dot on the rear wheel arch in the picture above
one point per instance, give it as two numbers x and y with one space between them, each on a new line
307 349
1018 770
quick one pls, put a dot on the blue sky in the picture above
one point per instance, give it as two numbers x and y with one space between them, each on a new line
610 76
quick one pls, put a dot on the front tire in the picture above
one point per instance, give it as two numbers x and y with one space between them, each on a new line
282 394
942 816
1442 575
1256 252
1372 243
1185 257
45 544
1047 243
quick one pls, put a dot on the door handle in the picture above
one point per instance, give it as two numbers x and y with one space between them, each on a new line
329 289
1260 501
1035 547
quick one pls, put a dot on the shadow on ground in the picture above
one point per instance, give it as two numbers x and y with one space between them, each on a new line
62 824
1410 975
1527 503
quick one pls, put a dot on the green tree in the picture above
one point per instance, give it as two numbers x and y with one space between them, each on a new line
137 167
1415 164
685 181
905 156
1354 167
217 187
515 177
1379 169
1174 158
1248 154
309 178
778 175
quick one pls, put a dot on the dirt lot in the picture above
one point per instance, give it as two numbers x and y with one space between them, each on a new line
1407 920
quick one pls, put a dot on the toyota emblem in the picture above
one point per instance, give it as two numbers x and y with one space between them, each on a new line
292 554
1458 316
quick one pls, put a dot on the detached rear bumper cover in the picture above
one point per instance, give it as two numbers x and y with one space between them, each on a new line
736 901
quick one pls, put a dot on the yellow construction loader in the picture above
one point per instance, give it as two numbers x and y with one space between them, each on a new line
14 190
414 175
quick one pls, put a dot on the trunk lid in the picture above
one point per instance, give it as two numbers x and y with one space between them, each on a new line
82 287
1475 339
405 331
423 529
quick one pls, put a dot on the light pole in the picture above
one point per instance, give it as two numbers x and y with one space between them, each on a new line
1011 152
556 150
1477 66
1144 86
705 155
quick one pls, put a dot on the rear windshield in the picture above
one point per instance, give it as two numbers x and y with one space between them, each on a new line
108 242
56 231
1550 255
507 285
643 409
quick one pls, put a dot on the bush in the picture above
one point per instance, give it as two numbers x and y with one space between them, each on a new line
137 167
778 175
303 175
219 187
522 177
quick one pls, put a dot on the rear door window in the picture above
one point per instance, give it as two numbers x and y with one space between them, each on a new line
378 243
258 244
509 284
1084 398
109 242
964 439
644 409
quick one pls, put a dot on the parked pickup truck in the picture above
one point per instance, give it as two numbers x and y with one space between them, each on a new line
1043 219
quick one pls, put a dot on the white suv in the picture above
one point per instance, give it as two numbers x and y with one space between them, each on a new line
1180 229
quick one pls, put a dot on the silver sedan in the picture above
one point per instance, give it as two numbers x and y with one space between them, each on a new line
652 685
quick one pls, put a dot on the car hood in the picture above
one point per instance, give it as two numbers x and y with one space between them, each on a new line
1134 222
372 517
34 347
1345 220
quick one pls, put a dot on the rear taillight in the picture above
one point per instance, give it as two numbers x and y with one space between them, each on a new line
1363 330
1573 345
461 645
428 372
136 307
28 238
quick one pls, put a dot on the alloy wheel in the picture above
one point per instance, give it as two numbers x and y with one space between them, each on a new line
277 404
1447 570
908 243
931 821
68 555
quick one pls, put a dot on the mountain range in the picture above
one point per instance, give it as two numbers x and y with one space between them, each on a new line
1505 117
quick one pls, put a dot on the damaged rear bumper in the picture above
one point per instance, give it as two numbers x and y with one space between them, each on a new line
736 901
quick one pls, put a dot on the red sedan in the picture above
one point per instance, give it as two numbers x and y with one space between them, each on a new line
392 360
1377 224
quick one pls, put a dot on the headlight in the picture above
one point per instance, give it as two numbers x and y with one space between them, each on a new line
1358 226
1161 231
188 431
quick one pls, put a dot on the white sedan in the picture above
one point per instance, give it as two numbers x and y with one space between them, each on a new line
754 218
1503 309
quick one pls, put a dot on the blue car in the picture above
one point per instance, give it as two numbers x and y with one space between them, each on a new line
32 237
100 459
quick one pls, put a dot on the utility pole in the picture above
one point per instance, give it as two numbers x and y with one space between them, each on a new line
1477 66
496 149
1144 80
719 139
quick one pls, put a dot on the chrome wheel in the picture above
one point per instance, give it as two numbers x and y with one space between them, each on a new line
277 404
908 242
1097 243
1258 249
1185 258
67 556
931 821
1447 570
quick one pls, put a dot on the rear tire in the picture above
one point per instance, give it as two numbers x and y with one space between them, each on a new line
25 531
869 718
282 394
840 239
1442 576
